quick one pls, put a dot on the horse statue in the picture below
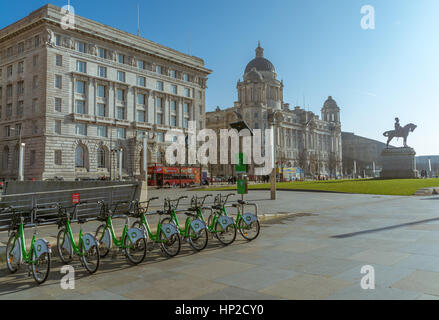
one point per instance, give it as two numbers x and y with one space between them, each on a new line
401 133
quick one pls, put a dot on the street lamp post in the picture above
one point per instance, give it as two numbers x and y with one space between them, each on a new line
120 163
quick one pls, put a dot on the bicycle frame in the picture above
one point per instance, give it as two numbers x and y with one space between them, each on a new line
25 255
116 242
69 232
153 236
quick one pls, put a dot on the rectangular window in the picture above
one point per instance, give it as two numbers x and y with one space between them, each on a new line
58 157
101 110
81 129
58 103
57 40
102 131
9 110
120 113
58 82
159 69
20 68
9 52
7 131
9 71
173 121
37 41
160 137
121 133
80 107
159 118
102 72
159 103
186 77
35 82
141 64
81 66
120 58
140 98
187 92
80 46
140 116
34 105
34 127
101 91
172 73
120 94
20 108
141 81
174 89
20 48
58 126
80 87
173 106
35 60
20 88
185 123
186 107
121 76
160 85
102 53
59 60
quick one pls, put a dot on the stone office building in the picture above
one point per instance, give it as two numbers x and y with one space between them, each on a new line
76 97
303 140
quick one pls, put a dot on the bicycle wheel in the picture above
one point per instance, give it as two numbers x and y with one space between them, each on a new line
249 232
90 258
40 266
225 236
198 240
135 252
171 246
64 252
103 248
12 262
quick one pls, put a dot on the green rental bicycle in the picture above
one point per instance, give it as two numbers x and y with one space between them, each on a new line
247 223
219 224
38 256
132 241
194 230
166 235
87 247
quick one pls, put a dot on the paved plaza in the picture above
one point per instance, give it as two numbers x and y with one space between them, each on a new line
314 251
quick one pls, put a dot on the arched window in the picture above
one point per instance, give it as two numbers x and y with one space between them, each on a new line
80 157
5 158
102 163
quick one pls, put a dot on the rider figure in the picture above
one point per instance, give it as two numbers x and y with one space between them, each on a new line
397 125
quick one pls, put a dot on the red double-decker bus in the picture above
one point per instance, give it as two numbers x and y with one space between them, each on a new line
173 176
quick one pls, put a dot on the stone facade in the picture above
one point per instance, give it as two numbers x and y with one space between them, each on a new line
76 97
303 139
363 151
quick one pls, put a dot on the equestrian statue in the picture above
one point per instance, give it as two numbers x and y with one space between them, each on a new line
399 132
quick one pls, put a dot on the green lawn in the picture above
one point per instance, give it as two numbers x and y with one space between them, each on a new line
400 187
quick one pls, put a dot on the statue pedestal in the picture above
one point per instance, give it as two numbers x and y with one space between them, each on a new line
399 163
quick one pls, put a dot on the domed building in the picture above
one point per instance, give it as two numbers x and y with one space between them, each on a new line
307 145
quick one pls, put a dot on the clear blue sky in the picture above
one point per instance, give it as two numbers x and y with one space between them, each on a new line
317 47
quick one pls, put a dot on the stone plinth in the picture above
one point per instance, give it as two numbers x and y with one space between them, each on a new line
399 163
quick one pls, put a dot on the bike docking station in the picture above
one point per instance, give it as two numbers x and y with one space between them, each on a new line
242 181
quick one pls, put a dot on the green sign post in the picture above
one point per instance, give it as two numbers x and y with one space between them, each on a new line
241 167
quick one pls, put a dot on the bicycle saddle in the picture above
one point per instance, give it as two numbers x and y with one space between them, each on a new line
216 207
242 202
